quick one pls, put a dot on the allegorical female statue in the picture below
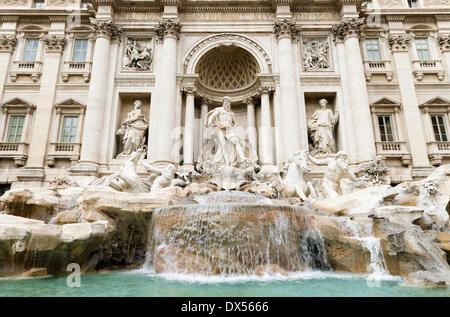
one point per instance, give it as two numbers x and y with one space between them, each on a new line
133 130
321 128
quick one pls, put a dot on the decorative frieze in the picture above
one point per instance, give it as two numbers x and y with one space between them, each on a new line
316 54
348 28
168 28
7 43
105 28
53 43
399 43
286 28
444 42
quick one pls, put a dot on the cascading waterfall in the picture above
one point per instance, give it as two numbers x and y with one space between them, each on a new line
364 233
232 238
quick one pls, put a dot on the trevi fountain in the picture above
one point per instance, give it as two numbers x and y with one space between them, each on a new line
229 224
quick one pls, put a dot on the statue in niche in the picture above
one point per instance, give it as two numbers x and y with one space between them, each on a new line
225 146
316 55
133 130
337 169
321 129
137 58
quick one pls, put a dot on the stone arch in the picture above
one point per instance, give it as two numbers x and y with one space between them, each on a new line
203 46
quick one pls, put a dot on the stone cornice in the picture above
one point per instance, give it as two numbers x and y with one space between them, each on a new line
105 28
399 42
9 18
444 42
226 9
168 28
54 43
7 43
348 28
286 28
170 2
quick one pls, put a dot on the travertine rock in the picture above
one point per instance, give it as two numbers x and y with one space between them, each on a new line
27 243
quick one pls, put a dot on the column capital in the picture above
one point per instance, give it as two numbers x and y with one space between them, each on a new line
7 43
444 42
206 101
399 42
348 28
105 28
286 28
168 28
249 101
188 90
265 89
54 43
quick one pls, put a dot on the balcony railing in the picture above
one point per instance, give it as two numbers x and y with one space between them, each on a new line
16 151
437 151
63 150
422 67
82 69
394 150
33 69
378 67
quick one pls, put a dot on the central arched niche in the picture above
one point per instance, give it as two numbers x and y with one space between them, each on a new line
227 68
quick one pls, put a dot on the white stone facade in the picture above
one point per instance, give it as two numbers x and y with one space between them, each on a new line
383 66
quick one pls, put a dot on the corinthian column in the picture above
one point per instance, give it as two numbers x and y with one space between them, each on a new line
399 46
162 116
285 30
265 133
251 128
105 29
349 31
189 120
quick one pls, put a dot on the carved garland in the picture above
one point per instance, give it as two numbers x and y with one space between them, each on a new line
224 38
54 44
399 43
7 43
444 42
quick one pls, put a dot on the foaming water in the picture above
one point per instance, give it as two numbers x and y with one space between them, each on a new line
243 278
232 239
364 233
233 196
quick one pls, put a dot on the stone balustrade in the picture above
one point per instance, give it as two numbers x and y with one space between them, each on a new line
437 151
82 69
394 150
378 68
22 68
16 151
422 67
62 150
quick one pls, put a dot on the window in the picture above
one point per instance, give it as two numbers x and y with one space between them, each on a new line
373 49
38 3
84 5
69 129
423 50
440 133
412 3
15 128
80 51
385 125
30 52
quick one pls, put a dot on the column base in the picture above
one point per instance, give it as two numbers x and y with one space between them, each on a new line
32 176
421 172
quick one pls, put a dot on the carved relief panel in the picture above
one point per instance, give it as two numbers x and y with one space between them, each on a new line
316 54
138 54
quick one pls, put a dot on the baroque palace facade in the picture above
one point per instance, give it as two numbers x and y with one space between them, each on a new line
84 83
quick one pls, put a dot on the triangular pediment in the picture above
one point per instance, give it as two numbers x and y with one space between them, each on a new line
438 101
386 102
17 102
70 102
